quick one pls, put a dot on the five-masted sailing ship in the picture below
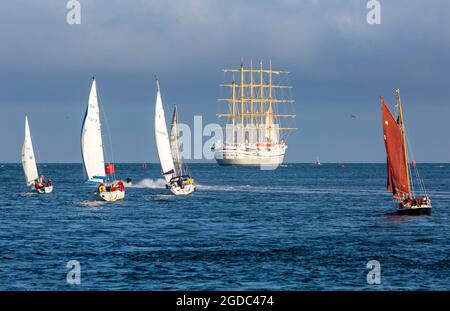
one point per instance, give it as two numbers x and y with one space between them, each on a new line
400 181
252 133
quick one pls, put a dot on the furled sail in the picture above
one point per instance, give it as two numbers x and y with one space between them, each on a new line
162 139
271 130
174 146
28 158
397 163
91 140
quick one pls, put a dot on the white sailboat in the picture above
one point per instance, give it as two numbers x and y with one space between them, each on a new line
168 150
95 170
29 165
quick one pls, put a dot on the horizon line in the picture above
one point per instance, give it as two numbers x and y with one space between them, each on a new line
210 162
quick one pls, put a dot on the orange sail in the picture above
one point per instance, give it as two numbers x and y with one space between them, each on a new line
397 165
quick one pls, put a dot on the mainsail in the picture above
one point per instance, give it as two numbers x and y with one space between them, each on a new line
28 158
174 146
162 138
397 162
91 140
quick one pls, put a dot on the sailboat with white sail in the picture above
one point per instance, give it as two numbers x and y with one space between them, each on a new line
95 170
29 165
178 181
400 180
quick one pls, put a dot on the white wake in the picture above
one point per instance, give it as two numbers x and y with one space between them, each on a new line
150 183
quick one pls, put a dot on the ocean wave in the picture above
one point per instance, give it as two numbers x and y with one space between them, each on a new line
150 183
296 190
90 203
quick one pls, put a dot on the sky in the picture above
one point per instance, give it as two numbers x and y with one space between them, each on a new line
339 66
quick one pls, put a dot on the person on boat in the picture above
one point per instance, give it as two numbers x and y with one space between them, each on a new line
180 182
37 185
113 188
49 183
101 188
120 185
128 180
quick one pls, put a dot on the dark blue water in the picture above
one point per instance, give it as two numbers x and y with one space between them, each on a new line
300 227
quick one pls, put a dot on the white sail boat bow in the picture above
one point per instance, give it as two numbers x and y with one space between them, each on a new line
168 151
29 165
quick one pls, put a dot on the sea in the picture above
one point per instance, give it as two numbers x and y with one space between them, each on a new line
300 227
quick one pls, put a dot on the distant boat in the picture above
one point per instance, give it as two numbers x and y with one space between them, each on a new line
318 162
128 182
30 169
255 138
95 170
400 181
177 181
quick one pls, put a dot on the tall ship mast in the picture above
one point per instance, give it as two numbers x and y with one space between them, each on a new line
253 134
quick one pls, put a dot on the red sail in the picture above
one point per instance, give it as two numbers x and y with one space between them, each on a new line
398 181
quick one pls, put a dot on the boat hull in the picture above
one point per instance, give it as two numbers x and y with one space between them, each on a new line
111 196
414 206
419 210
186 190
44 190
250 161
249 158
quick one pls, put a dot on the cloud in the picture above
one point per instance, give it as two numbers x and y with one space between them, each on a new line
143 36
338 61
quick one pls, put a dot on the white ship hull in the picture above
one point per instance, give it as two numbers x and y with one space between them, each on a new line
112 196
186 190
250 155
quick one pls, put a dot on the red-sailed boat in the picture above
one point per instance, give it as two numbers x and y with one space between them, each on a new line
400 181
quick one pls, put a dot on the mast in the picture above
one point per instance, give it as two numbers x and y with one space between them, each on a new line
242 103
251 101
270 102
402 125
261 104
233 112
260 109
